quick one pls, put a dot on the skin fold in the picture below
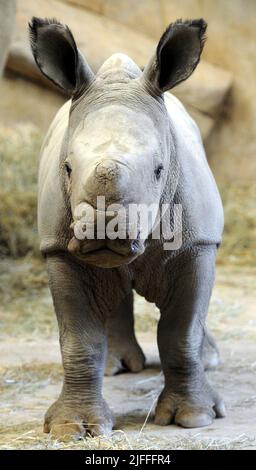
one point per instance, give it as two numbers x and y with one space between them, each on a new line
122 137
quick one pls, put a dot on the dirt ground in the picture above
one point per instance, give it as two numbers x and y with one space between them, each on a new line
30 371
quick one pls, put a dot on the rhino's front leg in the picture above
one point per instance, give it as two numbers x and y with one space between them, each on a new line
187 398
80 405
124 351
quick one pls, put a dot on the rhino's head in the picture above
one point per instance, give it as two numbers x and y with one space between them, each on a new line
119 143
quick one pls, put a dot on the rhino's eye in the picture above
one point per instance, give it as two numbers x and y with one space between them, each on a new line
158 171
68 168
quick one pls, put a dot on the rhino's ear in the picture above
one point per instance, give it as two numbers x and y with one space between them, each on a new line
177 55
57 55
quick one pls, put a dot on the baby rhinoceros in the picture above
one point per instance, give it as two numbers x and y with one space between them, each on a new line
123 141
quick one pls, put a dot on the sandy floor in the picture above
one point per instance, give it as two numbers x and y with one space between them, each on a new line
31 379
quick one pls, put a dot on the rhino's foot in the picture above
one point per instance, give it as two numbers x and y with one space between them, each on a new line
211 357
126 357
189 412
66 421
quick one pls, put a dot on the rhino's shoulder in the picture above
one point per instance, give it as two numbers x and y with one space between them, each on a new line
197 191
183 123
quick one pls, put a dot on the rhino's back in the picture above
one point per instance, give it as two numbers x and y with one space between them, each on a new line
196 191
52 218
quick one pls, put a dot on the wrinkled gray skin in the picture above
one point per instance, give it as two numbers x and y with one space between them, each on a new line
120 136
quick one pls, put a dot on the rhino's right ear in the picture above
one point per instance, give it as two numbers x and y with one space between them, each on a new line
177 55
57 55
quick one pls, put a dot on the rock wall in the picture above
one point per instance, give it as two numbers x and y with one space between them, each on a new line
231 46
7 26
98 37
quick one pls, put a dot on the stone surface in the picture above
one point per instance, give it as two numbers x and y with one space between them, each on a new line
206 89
25 102
7 27
142 15
96 5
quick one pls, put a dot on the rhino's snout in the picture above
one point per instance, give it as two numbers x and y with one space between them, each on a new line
121 247
107 170
106 253
98 244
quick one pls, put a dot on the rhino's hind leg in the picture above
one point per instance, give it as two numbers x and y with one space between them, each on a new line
211 356
124 352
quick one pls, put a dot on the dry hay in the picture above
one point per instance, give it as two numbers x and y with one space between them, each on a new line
27 378
30 436
239 240
19 149
24 291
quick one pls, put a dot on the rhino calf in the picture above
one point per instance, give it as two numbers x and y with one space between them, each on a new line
122 138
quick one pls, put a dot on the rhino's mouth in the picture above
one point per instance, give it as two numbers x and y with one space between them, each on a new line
106 253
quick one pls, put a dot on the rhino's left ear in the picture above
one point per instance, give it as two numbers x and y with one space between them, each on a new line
177 55
57 55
